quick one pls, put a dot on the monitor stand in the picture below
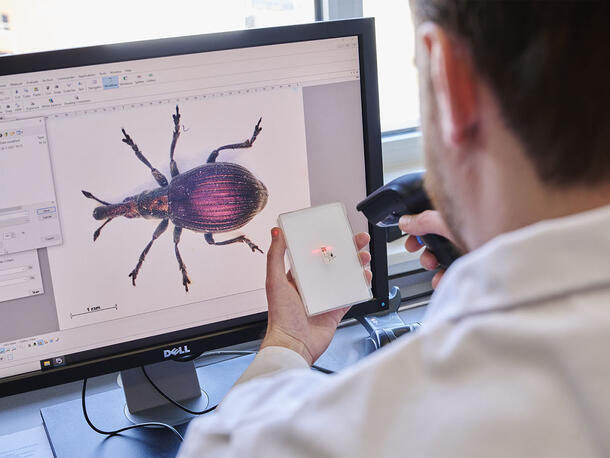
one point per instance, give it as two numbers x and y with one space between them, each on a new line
385 327
177 380
70 436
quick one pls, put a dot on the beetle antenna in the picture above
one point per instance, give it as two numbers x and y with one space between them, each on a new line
96 234
88 195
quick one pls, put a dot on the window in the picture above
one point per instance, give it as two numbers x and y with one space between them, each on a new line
398 93
32 25
398 87
399 108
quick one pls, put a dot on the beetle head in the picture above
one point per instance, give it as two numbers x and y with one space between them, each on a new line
153 204
127 208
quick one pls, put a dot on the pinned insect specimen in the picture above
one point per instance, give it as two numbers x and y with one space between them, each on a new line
212 198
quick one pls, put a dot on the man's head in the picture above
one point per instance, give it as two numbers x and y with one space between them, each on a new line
515 99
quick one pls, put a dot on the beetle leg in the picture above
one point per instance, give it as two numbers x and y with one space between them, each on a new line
155 173
96 234
173 167
181 266
158 231
247 144
243 239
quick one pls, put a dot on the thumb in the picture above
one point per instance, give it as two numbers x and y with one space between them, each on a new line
426 222
276 270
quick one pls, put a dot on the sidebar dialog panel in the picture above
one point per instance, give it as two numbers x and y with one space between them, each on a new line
28 207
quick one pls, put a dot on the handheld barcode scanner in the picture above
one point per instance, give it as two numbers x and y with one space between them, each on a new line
402 196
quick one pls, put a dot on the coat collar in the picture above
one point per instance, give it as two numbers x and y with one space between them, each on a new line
552 258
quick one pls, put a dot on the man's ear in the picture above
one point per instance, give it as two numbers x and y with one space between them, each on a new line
453 84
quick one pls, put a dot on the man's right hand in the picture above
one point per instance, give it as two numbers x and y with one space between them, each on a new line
427 222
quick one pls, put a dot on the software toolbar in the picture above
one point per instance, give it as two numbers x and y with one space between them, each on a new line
60 90
36 95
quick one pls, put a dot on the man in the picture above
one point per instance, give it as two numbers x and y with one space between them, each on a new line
512 358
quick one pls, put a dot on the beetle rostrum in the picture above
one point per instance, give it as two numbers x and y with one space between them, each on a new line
212 198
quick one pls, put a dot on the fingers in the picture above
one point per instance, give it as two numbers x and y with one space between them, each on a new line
412 244
369 276
428 260
437 278
365 257
276 270
362 239
427 222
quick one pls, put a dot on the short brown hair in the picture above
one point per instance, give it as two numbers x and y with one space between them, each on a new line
548 64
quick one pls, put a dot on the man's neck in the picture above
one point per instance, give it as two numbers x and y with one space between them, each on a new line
510 196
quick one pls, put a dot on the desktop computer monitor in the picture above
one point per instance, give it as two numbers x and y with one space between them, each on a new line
140 181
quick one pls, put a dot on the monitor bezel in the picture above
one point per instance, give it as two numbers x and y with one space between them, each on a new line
248 328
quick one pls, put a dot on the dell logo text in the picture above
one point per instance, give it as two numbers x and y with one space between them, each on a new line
184 350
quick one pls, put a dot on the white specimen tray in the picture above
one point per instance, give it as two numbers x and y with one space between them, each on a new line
324 258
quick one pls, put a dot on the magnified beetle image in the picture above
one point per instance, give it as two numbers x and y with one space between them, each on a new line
212 198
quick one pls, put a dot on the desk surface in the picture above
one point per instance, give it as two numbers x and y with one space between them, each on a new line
22 411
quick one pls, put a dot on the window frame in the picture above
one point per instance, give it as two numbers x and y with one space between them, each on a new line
402 152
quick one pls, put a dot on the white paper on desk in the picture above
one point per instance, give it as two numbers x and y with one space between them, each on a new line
31 443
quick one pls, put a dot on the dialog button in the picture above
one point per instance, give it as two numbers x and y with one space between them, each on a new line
46 210
50 238
47 217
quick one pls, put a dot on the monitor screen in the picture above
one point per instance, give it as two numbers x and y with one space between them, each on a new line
108 245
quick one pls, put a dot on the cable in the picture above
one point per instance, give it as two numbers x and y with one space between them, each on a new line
191 358
126 428
176 403
170 400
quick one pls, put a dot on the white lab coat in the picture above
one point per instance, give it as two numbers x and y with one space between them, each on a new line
513 360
